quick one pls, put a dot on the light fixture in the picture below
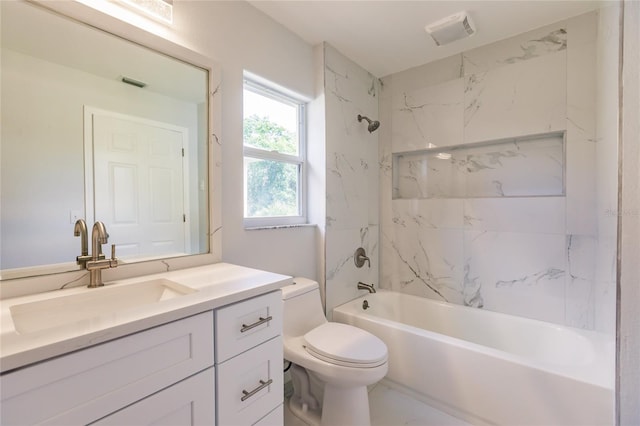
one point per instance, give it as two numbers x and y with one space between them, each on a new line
157 9
451 28
135 13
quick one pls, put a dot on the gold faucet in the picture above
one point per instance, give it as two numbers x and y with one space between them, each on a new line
97 263
80 230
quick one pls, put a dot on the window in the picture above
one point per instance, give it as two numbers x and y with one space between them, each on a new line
274 129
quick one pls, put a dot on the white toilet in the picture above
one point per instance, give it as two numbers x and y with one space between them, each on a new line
333 363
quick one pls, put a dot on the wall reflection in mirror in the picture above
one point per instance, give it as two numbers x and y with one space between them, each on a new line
96 127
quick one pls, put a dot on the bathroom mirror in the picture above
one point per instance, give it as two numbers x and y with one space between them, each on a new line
97 127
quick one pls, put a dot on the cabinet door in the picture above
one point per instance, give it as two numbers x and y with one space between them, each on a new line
189 402
250 384
86 385
274 418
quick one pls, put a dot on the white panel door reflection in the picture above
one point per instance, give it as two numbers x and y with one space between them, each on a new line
139 184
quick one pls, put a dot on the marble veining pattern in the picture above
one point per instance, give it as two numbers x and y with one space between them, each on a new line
509 264
552 42
215 147
474 83
428 117
351 177
338 168
519 232
416 275
520 48
471 289
428 248
520 99
350 148
533 279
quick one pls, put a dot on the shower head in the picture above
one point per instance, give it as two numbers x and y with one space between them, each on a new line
373 125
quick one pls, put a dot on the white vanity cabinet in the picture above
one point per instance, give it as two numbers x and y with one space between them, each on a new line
223 366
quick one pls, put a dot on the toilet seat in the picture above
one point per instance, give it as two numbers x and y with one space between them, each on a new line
345 345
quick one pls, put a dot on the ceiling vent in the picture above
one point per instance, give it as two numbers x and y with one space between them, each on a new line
451 28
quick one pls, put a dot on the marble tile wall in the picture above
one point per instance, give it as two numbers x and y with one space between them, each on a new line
524 253
351 177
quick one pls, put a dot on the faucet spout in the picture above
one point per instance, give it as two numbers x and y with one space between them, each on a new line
99 236
80 230
368 287
98 262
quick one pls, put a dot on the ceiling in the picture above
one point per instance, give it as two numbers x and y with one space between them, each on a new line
387 36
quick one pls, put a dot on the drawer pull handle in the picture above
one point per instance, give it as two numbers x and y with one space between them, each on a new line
260 321
263 385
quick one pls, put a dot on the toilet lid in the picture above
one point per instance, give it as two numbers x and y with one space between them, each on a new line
344 344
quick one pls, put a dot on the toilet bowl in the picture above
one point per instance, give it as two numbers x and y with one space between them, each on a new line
333 363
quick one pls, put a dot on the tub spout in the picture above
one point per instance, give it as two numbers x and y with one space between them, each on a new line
368 287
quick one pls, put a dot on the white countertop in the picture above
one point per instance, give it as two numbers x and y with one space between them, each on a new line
216 285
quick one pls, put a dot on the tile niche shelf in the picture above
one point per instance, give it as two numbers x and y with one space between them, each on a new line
527 166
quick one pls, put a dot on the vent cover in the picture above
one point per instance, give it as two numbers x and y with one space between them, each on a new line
451 28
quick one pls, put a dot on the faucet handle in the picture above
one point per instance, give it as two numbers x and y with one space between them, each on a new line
360 256
113 262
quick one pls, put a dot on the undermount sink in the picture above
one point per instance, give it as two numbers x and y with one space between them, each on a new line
93 303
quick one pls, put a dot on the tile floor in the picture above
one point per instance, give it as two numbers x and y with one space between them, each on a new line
391 407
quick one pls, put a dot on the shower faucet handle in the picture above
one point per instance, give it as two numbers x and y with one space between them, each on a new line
360 256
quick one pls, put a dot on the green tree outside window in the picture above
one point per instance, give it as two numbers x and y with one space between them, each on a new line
272 186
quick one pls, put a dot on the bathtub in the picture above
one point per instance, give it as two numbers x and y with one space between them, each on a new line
490 368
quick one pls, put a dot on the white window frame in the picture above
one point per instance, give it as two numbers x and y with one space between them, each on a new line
261 154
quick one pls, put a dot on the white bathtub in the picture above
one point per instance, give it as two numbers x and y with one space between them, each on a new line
490 368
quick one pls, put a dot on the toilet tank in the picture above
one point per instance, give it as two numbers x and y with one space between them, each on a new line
302 307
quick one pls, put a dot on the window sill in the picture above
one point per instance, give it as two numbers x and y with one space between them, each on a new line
297 225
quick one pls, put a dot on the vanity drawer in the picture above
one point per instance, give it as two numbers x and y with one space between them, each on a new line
246 324
250 385
189 402
88 384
